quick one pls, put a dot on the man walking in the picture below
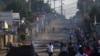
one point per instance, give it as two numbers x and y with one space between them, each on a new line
50 48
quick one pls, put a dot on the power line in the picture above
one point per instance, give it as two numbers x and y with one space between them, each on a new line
70 8
66 5
70 3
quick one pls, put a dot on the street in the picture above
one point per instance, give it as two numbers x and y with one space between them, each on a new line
58 29
2 52
46 27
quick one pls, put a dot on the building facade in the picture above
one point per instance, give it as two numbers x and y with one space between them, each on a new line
9 22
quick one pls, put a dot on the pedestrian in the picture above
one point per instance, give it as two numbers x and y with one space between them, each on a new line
53 29
81 52
24 50
88 51
50 49
96 51
71 51
76 47
61 45
63 51
9 46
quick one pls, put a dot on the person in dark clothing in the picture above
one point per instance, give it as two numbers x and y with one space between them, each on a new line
53 29
9 46
71 51
25 50
63 52
96 53
61 45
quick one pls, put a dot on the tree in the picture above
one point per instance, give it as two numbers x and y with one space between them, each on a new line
22 37
95 13
87 27
40 6
2 6
18 7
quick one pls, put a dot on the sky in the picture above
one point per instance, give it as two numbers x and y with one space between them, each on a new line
69 6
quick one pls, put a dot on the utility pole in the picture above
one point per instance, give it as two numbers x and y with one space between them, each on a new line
29 4
54 5
42 6
61 8
50 2
95 20
29 26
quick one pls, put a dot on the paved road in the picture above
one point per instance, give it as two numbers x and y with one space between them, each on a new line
56 28
2 53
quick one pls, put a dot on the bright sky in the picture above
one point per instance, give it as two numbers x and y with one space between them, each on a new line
69 5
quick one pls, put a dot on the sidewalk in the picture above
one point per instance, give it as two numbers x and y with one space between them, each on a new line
2 52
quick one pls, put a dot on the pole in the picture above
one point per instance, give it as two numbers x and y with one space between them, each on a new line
61 8
50 3
30 32
42 6
95 20
54 5
30 5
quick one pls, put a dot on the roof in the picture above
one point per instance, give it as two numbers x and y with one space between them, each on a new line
10 32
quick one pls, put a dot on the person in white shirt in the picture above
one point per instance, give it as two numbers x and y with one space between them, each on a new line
50 48
81 53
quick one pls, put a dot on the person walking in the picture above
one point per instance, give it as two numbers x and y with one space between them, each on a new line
61 45
9 46
50 49
88 51
71 51
64 51
81 52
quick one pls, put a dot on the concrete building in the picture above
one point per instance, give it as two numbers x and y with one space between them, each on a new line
8 27
9 17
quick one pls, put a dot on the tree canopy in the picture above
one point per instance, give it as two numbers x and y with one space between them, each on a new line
2 6
95 13
22 7
18 7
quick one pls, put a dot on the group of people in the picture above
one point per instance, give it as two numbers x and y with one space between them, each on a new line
71 49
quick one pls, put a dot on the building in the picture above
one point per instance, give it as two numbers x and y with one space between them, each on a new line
9 23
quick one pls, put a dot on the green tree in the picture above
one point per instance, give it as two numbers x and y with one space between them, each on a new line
22 37
9 26
95 13
87 27
18 7
2 6
40 6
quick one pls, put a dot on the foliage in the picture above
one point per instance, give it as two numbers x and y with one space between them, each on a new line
18 7
2 6
23 7
87 26
9 26
40 6
95 13
22 37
